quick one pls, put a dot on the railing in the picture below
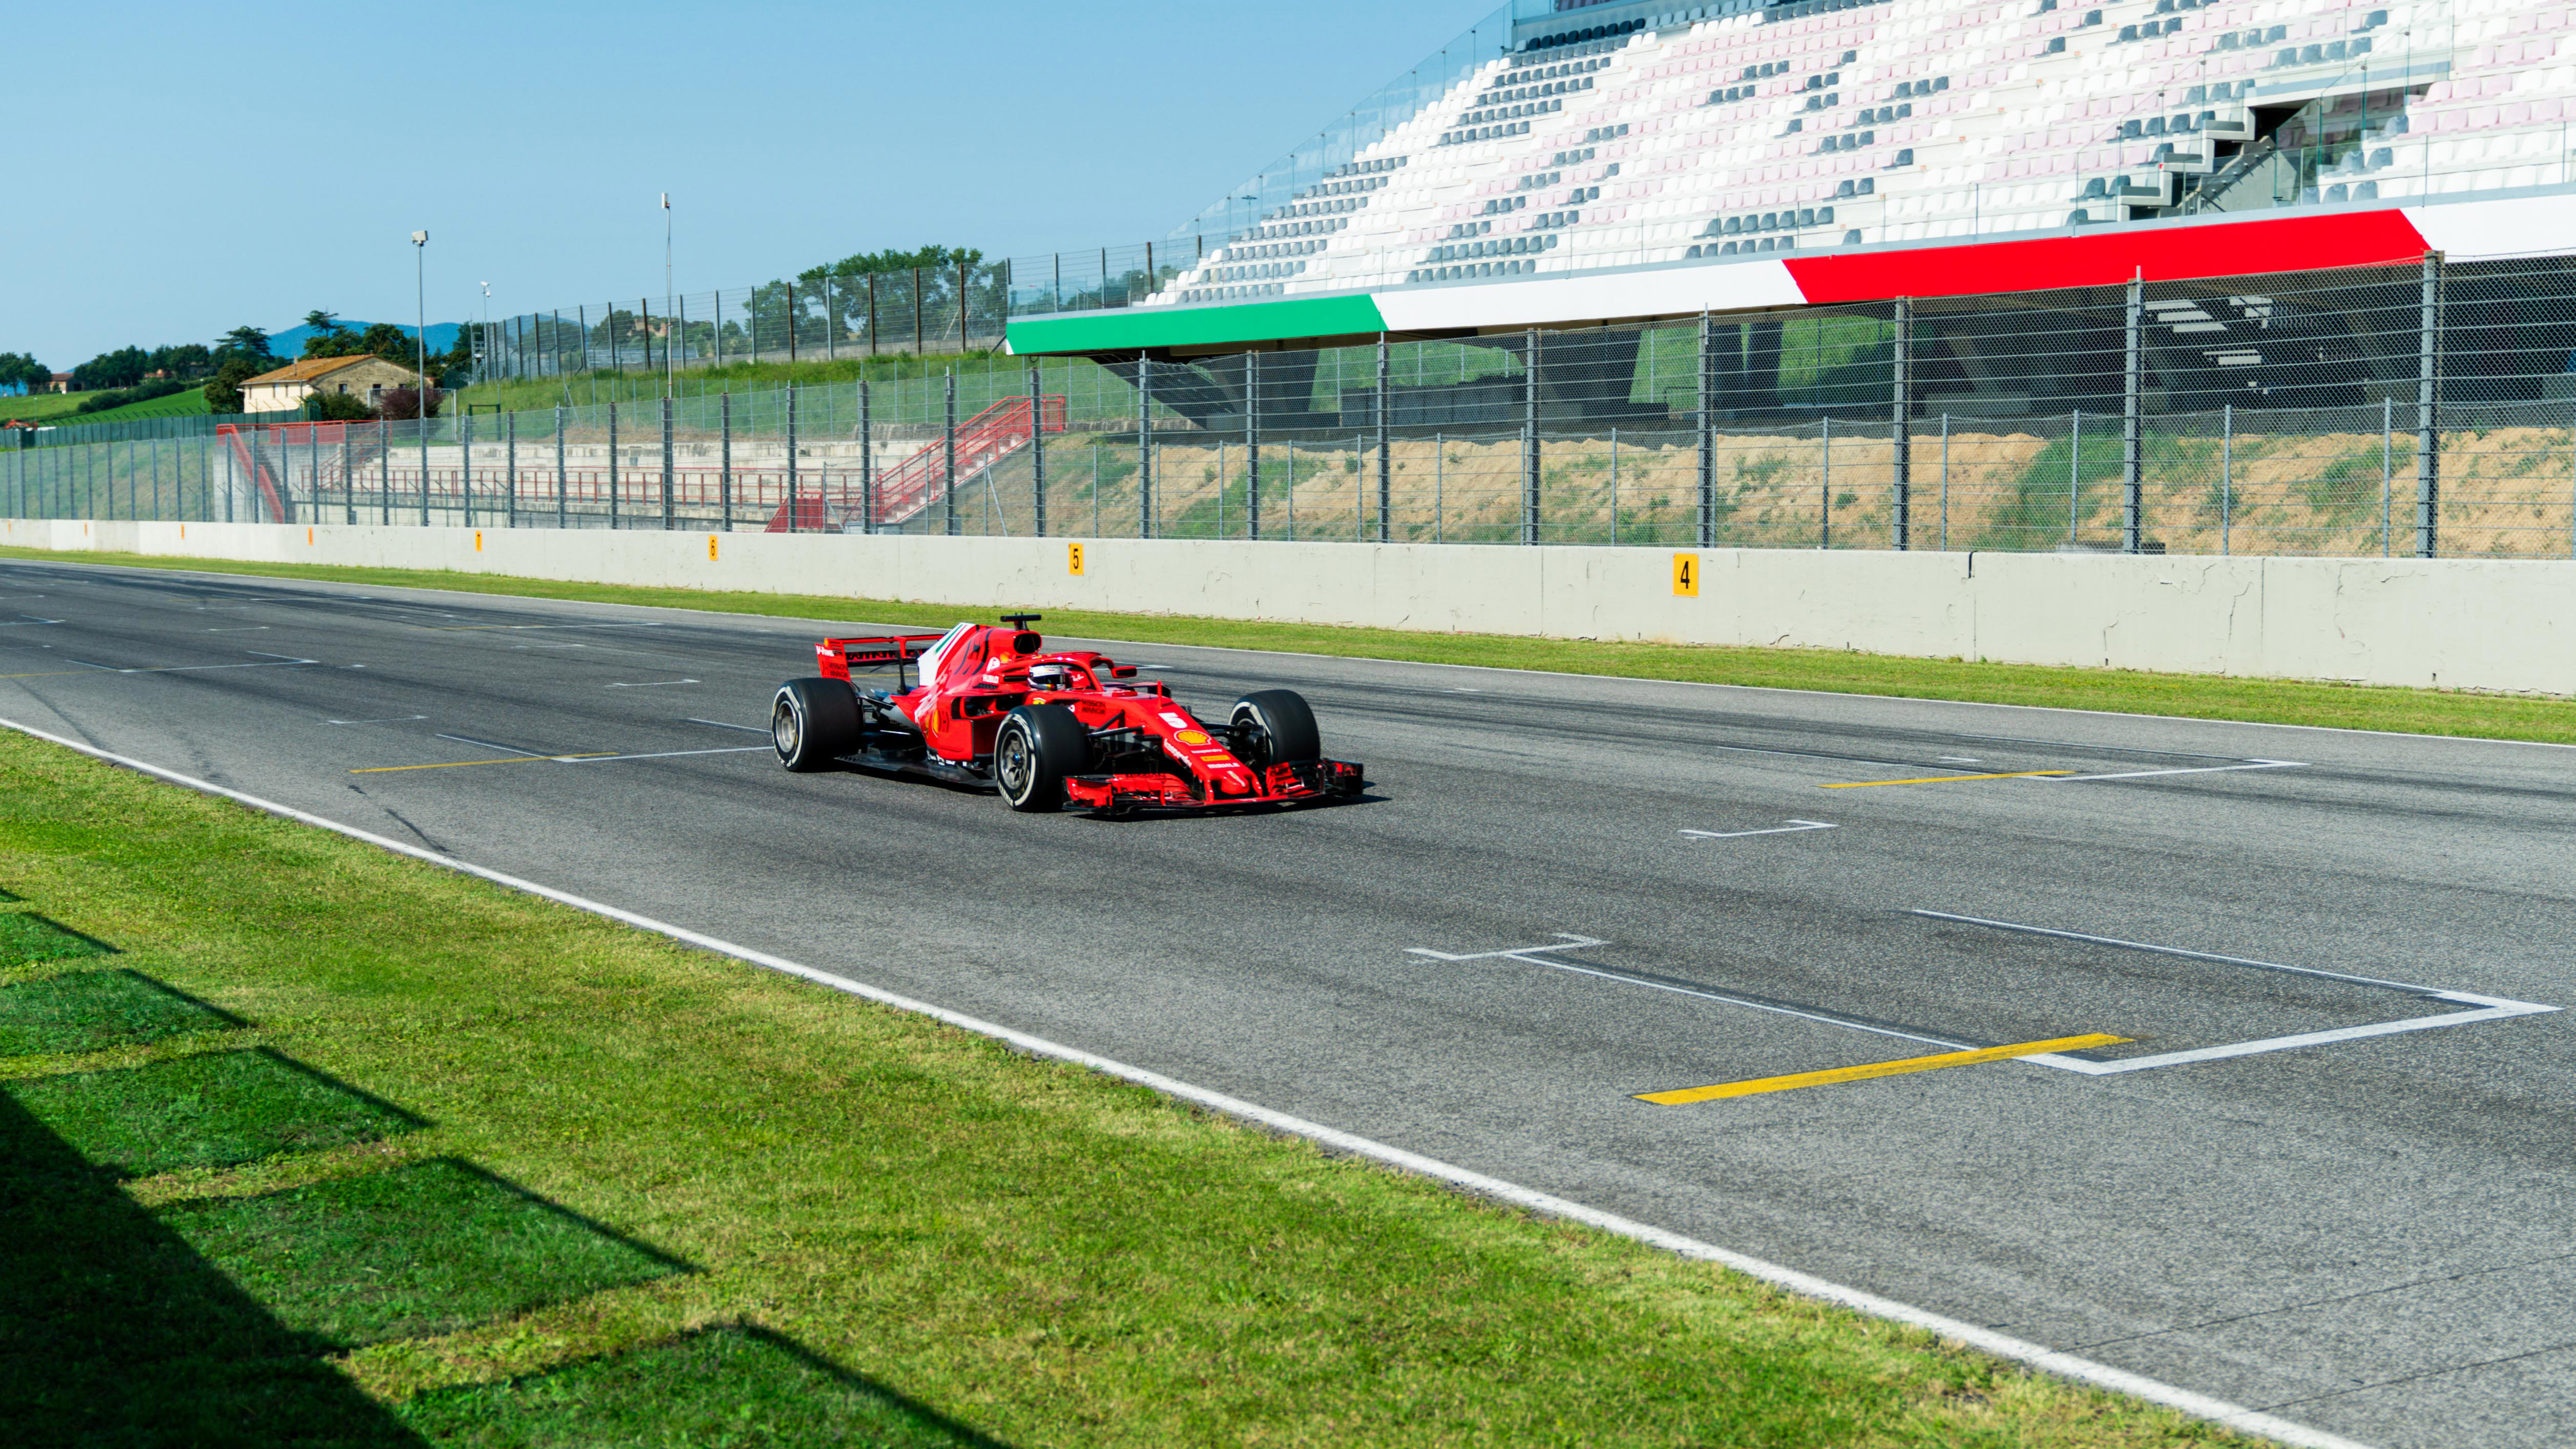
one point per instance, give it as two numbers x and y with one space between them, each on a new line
984 440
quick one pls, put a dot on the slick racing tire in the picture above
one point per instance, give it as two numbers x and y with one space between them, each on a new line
813 722
1036 747
1278 726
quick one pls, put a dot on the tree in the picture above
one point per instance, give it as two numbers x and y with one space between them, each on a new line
337 407
402 404
122 368
224 395
250 343
24 370
185 359
385 340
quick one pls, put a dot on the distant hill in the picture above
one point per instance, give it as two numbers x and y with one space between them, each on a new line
289 344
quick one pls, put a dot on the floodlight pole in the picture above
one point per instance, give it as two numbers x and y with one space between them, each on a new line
420 384
668 310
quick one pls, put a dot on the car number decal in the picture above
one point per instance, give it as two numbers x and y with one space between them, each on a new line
1176 721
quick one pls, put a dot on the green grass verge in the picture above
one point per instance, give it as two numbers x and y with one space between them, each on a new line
424 1248
219 1109
728 1386
27 937
2122 691
87 1011
1021 1247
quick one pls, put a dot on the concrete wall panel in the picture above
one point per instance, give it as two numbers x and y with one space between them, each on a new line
2467 623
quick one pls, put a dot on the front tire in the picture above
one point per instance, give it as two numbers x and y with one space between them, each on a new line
1036 747
1278 727
813 722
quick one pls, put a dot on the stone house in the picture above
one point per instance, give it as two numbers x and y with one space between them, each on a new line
288 387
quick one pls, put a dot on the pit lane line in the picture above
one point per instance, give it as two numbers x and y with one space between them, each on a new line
2064 1365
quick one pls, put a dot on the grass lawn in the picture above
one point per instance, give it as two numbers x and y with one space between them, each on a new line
478 1169
188 404
41 407
588 388
2126 691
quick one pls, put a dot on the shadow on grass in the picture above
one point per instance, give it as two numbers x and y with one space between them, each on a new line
220 1109
85 1011
117 1333
733 1386
425 1248
26 938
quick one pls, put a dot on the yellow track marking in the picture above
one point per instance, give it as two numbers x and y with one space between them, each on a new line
1686 1095
1945 779
461 764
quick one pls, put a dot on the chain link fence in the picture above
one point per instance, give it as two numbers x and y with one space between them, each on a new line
2414 410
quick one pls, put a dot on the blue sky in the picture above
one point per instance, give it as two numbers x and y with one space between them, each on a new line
183 169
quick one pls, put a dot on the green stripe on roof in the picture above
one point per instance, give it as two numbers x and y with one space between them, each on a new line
1123 328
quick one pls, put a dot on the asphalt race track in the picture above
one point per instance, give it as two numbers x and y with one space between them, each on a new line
1566 892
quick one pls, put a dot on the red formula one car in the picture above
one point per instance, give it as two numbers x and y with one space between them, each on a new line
1047 730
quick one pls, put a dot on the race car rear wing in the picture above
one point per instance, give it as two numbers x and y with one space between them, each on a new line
835 658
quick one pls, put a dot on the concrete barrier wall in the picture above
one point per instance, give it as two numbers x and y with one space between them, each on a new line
2466 623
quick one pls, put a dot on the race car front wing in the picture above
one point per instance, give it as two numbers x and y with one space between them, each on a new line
1292 782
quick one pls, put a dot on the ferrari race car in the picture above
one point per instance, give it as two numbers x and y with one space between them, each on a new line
1047 730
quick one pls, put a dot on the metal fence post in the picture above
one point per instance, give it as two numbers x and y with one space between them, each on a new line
612 465
420 421
1529 439
1252 444
867 448
791 324
2387 473
465 441
795 514
2132 410
1707 433
948 454
724 459
670 500
1945 482
1385 446
384 473
561 508
1144 447
1037 447
1825 495
510 463
2074 471
2226 479
1901 431
2428 396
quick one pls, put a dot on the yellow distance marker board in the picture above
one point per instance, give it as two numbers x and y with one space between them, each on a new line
1073 559
1686 576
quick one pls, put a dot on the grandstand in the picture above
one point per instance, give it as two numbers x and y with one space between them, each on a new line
1728 156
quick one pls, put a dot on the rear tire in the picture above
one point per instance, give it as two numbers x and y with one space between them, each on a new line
1279 727
813 722
1036 747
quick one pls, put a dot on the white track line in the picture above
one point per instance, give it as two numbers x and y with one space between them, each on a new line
1792 828
2047 1360
2487 1008
2191 770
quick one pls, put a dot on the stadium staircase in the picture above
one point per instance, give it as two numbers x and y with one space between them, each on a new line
910 487
1698 134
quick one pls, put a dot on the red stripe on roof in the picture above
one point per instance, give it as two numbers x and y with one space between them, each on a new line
2354 239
